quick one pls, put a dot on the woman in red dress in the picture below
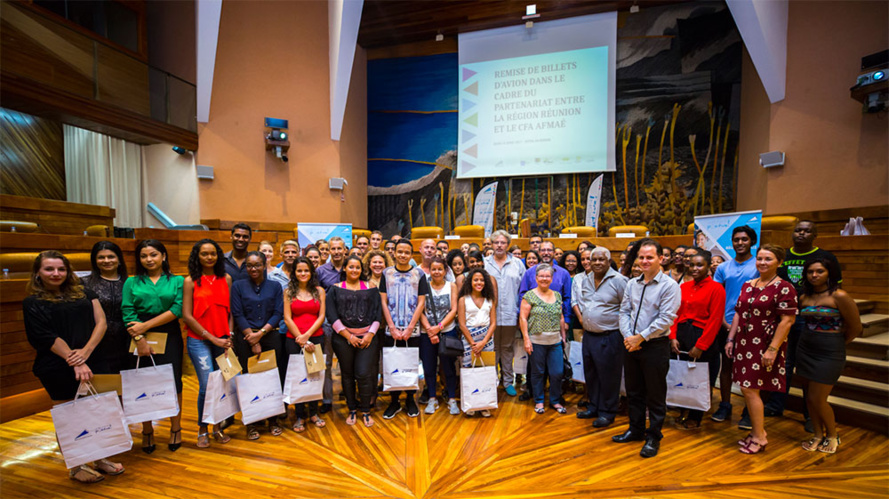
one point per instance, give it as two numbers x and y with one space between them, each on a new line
765 311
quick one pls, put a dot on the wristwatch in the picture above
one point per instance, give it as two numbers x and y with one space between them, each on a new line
138 337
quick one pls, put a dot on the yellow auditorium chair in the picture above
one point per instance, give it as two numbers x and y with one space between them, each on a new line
427 233
98 231
469 231
784 222
360 232
690 229
17 226
581 231
636 230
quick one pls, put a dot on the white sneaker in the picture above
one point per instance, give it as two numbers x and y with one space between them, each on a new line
453 407
486 413
431 406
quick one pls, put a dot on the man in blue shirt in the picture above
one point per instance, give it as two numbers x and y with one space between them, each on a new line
732 275
234 259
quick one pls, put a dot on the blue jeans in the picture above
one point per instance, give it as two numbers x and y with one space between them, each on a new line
429 356
203 355
547 357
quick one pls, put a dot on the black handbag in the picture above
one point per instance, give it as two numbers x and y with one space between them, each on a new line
448 346
567 370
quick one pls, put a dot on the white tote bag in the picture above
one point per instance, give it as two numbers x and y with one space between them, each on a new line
520 360
478 388
575 358
91 427
401 368
259 395
299 385
221 399
149 393
688 385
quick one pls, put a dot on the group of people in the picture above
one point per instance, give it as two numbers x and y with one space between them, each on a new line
759 317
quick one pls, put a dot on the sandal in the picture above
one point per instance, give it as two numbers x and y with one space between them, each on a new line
368 421
252 433
221 438
275 430
560 409
84 474
353 417
753 447
826 446
319 423
812 444
299 426
174 446
148 445
746 440
109 468
203 440
540 409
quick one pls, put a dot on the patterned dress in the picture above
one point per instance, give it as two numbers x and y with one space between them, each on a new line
759 312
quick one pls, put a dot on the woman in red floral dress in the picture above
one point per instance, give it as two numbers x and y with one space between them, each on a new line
765 311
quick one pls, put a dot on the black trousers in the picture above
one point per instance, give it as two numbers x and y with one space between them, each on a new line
291 347
603 363
358 370
688 334
646 379
413 342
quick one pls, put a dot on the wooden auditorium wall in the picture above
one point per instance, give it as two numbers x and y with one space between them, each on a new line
835 154
678 90
32 161
273 61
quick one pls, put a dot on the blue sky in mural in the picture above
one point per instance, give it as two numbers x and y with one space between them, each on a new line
409 84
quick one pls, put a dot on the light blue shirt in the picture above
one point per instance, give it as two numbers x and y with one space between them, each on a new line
509 278
649 308
732 275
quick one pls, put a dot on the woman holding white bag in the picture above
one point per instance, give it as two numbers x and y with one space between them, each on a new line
477 315
64 323
207 316
304 310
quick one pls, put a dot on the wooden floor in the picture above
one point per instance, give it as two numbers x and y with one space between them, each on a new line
516 453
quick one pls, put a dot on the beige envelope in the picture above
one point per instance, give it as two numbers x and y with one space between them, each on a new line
265 361
228 364
487 358
314 360
107 383
157 342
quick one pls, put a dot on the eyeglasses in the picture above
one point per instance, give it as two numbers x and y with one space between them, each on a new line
254 266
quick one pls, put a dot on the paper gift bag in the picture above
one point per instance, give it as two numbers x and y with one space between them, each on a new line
157 342
149 393
259 396
575 357
300 385
228 364
91 428
107 383
478 388
221 398
401 369
520 361
688 385
314 360
265 361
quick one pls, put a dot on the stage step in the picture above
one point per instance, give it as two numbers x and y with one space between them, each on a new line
862 390
850 412
874 324
871 347
865 368
865 306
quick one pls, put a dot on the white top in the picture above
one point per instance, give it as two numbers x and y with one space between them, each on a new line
477 317
438 304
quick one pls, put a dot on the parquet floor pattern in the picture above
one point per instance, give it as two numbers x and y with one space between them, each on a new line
516 454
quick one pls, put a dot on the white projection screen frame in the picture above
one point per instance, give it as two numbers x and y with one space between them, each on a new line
538 101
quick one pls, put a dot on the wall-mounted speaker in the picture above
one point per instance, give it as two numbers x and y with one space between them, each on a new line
771 159
205 172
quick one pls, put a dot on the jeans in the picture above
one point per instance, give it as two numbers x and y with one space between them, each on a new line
358 371
203 355
548 357
429 356
603 364
304 410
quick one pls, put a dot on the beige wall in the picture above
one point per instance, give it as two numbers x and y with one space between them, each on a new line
836 156
272 60
170 182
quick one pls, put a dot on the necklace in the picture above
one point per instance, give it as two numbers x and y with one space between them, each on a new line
758 281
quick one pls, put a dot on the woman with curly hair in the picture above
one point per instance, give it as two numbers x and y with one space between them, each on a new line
208 322
477 317
374 263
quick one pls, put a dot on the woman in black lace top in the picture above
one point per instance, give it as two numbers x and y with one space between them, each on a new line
109 271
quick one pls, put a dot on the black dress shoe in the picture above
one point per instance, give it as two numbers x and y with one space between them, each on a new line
602 422
587 414
650 448
525 396
325 408
628 436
